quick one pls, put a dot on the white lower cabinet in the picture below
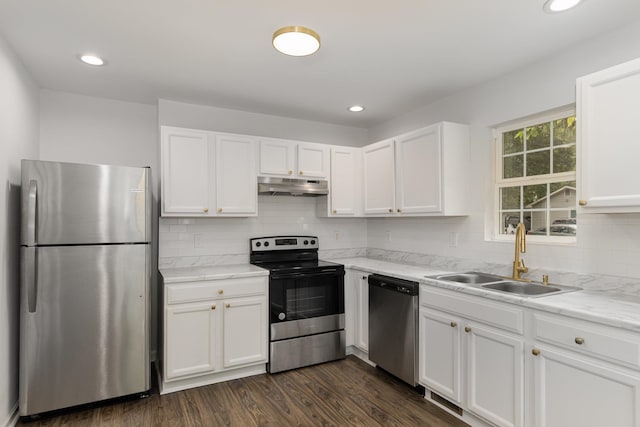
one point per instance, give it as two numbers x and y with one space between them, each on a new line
468 359
214 331
573 390
356 311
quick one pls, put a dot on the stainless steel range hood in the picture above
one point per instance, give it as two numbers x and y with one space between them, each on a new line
292 187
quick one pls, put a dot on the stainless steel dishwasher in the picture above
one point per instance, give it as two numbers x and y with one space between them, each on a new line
393 326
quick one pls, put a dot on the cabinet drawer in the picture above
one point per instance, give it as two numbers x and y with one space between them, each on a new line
596 340
503 316
215 289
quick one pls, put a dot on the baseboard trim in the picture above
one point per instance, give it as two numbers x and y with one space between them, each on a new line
12 420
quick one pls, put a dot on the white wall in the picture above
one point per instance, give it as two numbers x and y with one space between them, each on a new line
83 129
607 244
172 113
18 140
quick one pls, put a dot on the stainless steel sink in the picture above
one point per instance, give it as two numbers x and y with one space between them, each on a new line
495 283
522 288
470 278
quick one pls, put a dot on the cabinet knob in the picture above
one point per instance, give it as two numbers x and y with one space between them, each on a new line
213 307
467 328
582 202
335 211
206 210
290 172
390 210
228 305
364 277
579 340
220 291
453 324
301 173
535 352
219 210
399 210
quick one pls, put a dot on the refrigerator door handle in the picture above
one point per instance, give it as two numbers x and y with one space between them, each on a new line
32 206
30 276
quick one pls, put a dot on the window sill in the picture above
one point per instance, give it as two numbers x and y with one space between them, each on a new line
537 240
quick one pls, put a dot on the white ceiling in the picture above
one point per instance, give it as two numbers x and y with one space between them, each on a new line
390 56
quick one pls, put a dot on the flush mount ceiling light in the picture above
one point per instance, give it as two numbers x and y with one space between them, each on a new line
554 6
92 60
356 108
296 41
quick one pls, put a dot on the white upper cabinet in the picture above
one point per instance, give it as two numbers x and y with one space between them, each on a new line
186 172
292 159
208 174
345 194
608 102
236 184
379 178
425 172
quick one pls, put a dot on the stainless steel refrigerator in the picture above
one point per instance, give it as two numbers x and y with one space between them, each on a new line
86 268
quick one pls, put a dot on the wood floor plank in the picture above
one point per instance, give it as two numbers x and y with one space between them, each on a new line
347 392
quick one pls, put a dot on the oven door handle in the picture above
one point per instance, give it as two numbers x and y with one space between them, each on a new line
278 276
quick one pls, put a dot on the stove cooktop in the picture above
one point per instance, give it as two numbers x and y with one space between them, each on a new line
299 265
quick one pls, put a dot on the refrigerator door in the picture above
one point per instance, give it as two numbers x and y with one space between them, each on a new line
69 203
84 324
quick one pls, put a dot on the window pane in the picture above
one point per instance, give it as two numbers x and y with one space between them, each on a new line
509 222
510 198
512 142
555 186
535 196
538 163
564 131
538 223
564 159
512 166
538 136
564 197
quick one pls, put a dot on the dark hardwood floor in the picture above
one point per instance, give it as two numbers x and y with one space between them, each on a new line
343 393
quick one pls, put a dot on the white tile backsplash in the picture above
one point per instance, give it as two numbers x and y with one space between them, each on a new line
213 241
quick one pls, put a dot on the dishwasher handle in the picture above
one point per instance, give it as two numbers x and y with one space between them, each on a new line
394 284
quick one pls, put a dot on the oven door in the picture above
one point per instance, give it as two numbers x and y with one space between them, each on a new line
298 296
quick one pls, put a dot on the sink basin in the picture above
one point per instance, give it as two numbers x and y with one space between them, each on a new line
472 278
521 288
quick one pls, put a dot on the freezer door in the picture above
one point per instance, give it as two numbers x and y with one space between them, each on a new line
69 203
84 324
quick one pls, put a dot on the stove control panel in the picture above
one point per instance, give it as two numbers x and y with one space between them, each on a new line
281 243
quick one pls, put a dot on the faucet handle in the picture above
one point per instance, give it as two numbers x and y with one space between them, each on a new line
524 268
545 279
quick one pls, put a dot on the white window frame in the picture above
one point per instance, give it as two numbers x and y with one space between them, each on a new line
499 182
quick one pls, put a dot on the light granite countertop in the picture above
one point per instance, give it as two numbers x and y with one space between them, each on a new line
214 272
586 305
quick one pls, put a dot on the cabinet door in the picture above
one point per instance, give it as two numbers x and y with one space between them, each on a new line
244 331
236 177
607 112
186 171
379 178
495 376
345 174
313 161
190 339
362 317
277 157
350 306
570 390
419 171
440 362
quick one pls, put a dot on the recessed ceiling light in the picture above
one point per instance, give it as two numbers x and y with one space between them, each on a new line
554 6
92 60
296 41
356 108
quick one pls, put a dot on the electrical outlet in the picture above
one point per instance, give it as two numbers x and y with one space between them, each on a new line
388 234
337 233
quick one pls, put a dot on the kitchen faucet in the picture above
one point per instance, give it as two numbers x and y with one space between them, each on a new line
521 246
